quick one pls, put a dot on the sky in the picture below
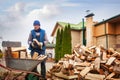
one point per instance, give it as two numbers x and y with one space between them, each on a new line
17 16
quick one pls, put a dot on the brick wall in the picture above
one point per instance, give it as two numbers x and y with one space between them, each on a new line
118 43
101 40
111 41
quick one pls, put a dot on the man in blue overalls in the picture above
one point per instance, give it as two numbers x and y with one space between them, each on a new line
38 35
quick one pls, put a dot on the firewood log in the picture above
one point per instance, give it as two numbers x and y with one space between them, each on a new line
35 55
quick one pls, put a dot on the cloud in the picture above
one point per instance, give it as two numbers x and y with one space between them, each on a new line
16 11
48 11
18 7
16 22
13 17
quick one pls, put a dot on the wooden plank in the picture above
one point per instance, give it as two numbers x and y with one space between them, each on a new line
11 44
85 71
94 76
110 60
110 75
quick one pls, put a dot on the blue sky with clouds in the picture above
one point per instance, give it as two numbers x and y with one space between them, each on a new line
17 16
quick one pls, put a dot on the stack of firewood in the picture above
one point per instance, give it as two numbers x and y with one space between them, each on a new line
94 63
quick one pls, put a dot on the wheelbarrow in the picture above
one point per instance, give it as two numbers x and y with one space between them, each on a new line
17 64
21 65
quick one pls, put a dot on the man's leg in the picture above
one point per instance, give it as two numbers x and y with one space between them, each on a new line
43 66
43 69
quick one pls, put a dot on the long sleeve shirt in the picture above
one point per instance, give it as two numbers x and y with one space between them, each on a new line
30 38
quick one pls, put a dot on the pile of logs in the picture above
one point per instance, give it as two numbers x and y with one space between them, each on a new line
93 63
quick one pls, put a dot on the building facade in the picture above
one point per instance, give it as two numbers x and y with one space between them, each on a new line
104 33
107 33
76 32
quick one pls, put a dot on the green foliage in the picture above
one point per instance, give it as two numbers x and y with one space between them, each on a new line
63 42
57 55
61 35
69 39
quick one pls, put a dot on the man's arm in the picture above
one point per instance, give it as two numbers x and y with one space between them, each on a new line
30 39
45 39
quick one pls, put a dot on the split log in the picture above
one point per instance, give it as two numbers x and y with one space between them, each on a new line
94 76
84 64
35 55
104 56
110 60
97 63
85 71
76 53
110 76
61 75
116 68
86 49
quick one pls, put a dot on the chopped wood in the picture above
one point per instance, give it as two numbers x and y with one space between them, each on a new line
94 63
117 61
97 63
18 48
61 75
86 49
114 79
41 57
35 55
80 68
104 67
104 56
76 53
83 64
116 68
110 75
85 71
98 51
110 60
94 76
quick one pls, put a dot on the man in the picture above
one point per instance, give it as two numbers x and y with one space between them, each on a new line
37 41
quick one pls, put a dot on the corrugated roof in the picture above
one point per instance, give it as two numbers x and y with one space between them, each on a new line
73 26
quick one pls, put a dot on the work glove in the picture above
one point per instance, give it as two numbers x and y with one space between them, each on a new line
40 44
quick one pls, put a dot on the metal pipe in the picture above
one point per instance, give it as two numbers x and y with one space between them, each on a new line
106 34
83 33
